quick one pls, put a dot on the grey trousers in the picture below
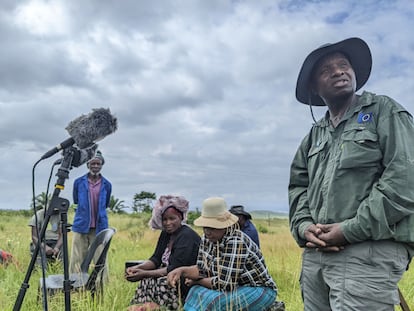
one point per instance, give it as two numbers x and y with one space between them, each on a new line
80 245
363 276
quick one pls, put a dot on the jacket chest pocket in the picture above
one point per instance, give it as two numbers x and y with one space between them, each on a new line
317 151
316 156
360 148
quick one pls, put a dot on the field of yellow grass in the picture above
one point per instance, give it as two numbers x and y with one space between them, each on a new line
134 240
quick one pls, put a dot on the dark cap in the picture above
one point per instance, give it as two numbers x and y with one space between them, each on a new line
98 155
239 210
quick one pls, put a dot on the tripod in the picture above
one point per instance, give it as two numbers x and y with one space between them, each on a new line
57 205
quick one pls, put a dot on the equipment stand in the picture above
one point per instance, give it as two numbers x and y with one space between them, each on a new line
56 205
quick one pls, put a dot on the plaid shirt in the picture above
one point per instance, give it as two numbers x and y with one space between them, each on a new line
234 261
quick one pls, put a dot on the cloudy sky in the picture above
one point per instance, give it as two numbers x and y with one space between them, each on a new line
203 90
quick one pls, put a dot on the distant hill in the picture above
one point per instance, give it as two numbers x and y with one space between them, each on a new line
268 214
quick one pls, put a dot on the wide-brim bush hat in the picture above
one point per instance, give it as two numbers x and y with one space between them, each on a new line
358 54
239 210
214 214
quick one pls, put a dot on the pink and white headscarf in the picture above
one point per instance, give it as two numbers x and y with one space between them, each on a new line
165 201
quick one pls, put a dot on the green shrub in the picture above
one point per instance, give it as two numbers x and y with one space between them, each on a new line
262 229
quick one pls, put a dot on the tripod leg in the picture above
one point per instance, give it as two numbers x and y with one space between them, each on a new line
25 284
66 283
403 304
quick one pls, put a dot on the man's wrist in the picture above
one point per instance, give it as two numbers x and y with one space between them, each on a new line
302 228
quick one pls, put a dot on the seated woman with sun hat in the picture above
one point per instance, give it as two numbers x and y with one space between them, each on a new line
230 273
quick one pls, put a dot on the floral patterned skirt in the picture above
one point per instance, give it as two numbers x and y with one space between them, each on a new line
157 290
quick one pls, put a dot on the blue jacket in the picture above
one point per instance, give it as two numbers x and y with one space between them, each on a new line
251 231
81 223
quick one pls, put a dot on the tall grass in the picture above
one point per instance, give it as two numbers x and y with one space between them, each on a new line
132 241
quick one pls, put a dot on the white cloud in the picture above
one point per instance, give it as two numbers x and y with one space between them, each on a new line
42 18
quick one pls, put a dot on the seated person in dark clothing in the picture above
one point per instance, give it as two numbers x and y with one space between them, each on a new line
52 239
245 222
177 246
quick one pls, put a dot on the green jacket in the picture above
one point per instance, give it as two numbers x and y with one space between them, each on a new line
360 174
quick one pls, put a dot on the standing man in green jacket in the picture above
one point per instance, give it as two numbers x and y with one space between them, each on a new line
351 189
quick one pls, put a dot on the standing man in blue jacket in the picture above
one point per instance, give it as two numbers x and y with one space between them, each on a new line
91 193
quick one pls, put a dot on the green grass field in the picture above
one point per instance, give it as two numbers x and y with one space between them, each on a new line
134 240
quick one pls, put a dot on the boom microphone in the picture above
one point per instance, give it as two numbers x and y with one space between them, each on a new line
86 130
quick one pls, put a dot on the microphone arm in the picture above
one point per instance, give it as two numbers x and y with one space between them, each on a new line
63 145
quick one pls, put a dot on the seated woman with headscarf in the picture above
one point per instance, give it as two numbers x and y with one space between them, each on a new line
177 246
230 273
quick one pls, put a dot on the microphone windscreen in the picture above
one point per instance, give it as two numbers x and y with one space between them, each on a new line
87 129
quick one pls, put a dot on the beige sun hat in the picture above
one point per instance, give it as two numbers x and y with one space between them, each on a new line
214 214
